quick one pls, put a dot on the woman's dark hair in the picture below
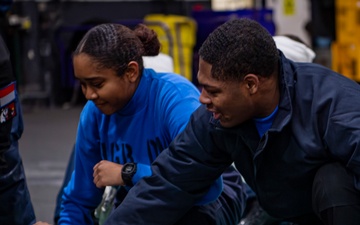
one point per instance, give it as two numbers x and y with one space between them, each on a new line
113 46
239 47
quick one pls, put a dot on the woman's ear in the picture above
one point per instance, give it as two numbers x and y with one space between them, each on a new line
252 83
132 72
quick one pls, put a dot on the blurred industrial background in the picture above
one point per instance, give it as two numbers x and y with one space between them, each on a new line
41 34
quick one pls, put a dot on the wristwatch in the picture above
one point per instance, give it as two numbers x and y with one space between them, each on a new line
127 173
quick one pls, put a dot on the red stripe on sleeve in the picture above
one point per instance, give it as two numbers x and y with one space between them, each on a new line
7 90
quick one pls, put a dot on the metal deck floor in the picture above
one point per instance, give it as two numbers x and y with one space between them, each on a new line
45 146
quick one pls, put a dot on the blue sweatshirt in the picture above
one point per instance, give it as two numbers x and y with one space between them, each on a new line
159 109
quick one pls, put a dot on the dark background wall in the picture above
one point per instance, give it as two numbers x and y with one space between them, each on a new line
75 12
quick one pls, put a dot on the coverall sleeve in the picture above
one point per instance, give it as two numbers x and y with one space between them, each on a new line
6 77
342 135
81 196
181 176
213 193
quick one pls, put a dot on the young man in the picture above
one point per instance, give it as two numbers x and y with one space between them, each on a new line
292 130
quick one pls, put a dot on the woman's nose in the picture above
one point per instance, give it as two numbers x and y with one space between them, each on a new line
89 93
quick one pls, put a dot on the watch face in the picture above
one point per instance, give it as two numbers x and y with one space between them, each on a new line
129 168
128 171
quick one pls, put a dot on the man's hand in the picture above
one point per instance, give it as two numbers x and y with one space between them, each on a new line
107 173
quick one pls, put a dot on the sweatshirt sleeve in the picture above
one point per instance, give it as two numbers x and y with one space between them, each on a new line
81 196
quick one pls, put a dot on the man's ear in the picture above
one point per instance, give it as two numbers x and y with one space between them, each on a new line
132 72
252 83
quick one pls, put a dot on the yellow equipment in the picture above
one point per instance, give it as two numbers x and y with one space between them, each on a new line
346 48
177 35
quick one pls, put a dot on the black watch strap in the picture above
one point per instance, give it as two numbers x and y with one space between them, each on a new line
127 173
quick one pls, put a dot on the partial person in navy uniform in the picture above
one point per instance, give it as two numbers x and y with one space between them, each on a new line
16 206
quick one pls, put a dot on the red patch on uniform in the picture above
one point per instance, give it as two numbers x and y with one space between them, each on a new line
7 112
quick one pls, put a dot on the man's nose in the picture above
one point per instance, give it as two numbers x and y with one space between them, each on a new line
204 98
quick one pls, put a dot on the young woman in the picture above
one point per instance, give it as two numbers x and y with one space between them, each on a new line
131 116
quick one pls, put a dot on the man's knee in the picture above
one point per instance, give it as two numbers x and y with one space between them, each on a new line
334 186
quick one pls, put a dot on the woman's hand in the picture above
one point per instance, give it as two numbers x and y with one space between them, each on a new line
107 173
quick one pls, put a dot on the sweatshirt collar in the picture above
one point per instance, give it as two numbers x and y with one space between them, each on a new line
140 98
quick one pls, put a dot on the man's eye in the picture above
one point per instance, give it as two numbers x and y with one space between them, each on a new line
211 92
